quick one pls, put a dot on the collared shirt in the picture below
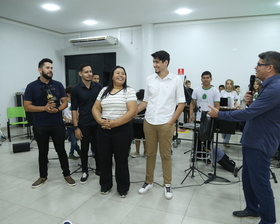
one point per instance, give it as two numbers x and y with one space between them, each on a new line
34 93
82 100
162 96
262 129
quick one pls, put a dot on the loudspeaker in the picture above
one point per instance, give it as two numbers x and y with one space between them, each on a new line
21 147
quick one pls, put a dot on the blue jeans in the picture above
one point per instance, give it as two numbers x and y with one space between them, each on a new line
42 134
226 138
256 185
73 140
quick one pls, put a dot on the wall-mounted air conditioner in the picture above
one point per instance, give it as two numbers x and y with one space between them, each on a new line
98 40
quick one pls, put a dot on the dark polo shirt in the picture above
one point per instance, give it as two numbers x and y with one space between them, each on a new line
82 100
34 94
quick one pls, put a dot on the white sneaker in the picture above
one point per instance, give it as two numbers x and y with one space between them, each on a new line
167 191
145 188
134 155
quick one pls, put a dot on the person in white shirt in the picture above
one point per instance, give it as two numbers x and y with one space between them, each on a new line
164 91
229 93
114 108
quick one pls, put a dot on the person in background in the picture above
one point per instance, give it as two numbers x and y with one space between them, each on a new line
95 77
221 87
163 93
114 109
138 127
231 95
83 96
188 95
257 88
259 146
46 98
67 117
239 96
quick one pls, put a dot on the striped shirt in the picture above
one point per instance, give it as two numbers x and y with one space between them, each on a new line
114 105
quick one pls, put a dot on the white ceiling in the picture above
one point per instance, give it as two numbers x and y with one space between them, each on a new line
126 13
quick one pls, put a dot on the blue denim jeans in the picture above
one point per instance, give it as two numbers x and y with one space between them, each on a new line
226 138
73 140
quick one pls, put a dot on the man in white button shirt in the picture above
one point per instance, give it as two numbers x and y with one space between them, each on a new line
164 91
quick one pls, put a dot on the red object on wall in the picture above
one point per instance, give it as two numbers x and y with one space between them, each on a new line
181 71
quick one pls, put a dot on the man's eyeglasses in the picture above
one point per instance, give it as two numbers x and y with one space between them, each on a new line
259 64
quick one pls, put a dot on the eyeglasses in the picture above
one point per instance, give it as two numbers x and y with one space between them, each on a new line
259 64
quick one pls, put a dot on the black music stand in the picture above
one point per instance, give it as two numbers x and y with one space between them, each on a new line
222 126
194 150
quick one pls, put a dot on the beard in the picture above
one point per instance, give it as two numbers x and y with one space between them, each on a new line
46 76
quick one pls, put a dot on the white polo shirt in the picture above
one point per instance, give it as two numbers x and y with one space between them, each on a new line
162 96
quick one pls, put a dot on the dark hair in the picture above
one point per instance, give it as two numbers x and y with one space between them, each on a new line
271 58
140 94
236 86
206 73
111 84
162 56
95 73
42 62
188 81
221 86
68 89
82 66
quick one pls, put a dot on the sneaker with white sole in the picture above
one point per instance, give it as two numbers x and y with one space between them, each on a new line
167 191
39 182
84 178
69 180
145 188
134 155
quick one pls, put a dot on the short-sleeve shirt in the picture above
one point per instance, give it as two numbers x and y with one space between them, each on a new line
34 94
114 105
231 96
82 100
205 97
162 96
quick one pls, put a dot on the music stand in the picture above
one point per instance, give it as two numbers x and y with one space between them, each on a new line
195 139
222 126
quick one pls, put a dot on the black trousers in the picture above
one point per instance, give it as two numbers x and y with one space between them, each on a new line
115 142
88 132
42 134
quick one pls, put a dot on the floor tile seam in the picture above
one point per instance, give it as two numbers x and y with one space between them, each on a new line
22 207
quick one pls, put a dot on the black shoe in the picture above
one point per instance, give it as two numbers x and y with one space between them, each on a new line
244 213
84 178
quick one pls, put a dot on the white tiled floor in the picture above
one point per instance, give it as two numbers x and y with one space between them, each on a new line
193 202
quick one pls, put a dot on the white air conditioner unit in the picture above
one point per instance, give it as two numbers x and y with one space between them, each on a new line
98 40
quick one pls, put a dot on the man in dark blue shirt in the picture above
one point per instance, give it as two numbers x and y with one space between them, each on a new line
83 96
260 139
46 98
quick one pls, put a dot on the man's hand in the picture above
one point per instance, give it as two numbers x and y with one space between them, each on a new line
248 98
78 134
214 111
51 107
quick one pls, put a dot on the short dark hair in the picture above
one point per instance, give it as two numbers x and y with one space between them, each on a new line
271 58
81 67
42 62
140 94
68 89
221 86
95 73
206 73
236 86
162 56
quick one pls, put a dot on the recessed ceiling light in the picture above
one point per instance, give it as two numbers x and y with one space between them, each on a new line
50 7
90 22
183 11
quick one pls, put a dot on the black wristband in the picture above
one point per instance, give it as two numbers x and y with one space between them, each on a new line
76 127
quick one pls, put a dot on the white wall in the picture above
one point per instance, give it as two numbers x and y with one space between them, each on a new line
194 46
22 47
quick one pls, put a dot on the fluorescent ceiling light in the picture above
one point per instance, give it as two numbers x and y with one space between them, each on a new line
90 22
183 11
50 7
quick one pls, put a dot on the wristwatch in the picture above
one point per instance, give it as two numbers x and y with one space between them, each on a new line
76 127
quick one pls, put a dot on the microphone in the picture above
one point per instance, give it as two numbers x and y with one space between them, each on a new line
252 81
